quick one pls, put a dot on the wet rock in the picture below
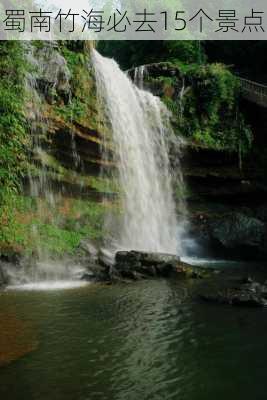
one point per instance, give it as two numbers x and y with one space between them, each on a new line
105 258
148 264
249 300
95 273
133 266
145 258
144 264
250 294
3 279
10 256
90 249
236 229
53 75
230 234
155 70
235 299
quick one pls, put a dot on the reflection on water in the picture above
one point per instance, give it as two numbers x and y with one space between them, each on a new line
149 340
17 337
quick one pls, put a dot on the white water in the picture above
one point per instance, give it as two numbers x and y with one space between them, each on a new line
48 285
139 129
45 274
138 124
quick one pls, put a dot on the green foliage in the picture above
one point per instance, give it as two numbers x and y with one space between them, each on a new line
208 113
13 136
73 111
133 53
61 232
26 223
13 234
247 59
56 241
82 107
212 110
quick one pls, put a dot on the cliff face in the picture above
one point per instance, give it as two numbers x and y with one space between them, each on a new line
63 138
222 161
66 122
57 202
202 115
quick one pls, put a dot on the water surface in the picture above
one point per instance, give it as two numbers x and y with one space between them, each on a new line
148 340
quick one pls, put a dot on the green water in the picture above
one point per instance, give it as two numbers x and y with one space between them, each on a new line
149 340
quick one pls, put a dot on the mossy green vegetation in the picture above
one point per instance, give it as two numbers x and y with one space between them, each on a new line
82 107
139 52
14 139
57 172
207 112
27 223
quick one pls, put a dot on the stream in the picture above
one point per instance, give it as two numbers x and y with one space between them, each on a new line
148 340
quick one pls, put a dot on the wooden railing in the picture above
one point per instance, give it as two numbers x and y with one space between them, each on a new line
254 92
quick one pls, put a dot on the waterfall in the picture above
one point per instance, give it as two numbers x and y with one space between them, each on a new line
138 124
139 73
44 273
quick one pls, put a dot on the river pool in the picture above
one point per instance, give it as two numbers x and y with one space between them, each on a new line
147 340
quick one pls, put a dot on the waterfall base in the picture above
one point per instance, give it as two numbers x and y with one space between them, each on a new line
138 265
48 285
49 275
96 267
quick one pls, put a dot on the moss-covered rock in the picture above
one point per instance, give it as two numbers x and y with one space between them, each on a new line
50 140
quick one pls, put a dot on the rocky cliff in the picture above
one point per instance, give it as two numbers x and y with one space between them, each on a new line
57 202
222 161
63 137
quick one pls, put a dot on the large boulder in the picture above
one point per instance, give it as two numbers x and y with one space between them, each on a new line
130 263
230 234
236 230
139 264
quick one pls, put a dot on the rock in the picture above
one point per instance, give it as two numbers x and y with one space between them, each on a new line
248 279
251 294
145 258
95 273
10 256
3 279
248 300
132 264
144 263
90 249
53 74
236 229
235 299
220 232
105 258
88 277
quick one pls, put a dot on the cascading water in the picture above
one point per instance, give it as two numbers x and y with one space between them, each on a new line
45 273
139 73
139 124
